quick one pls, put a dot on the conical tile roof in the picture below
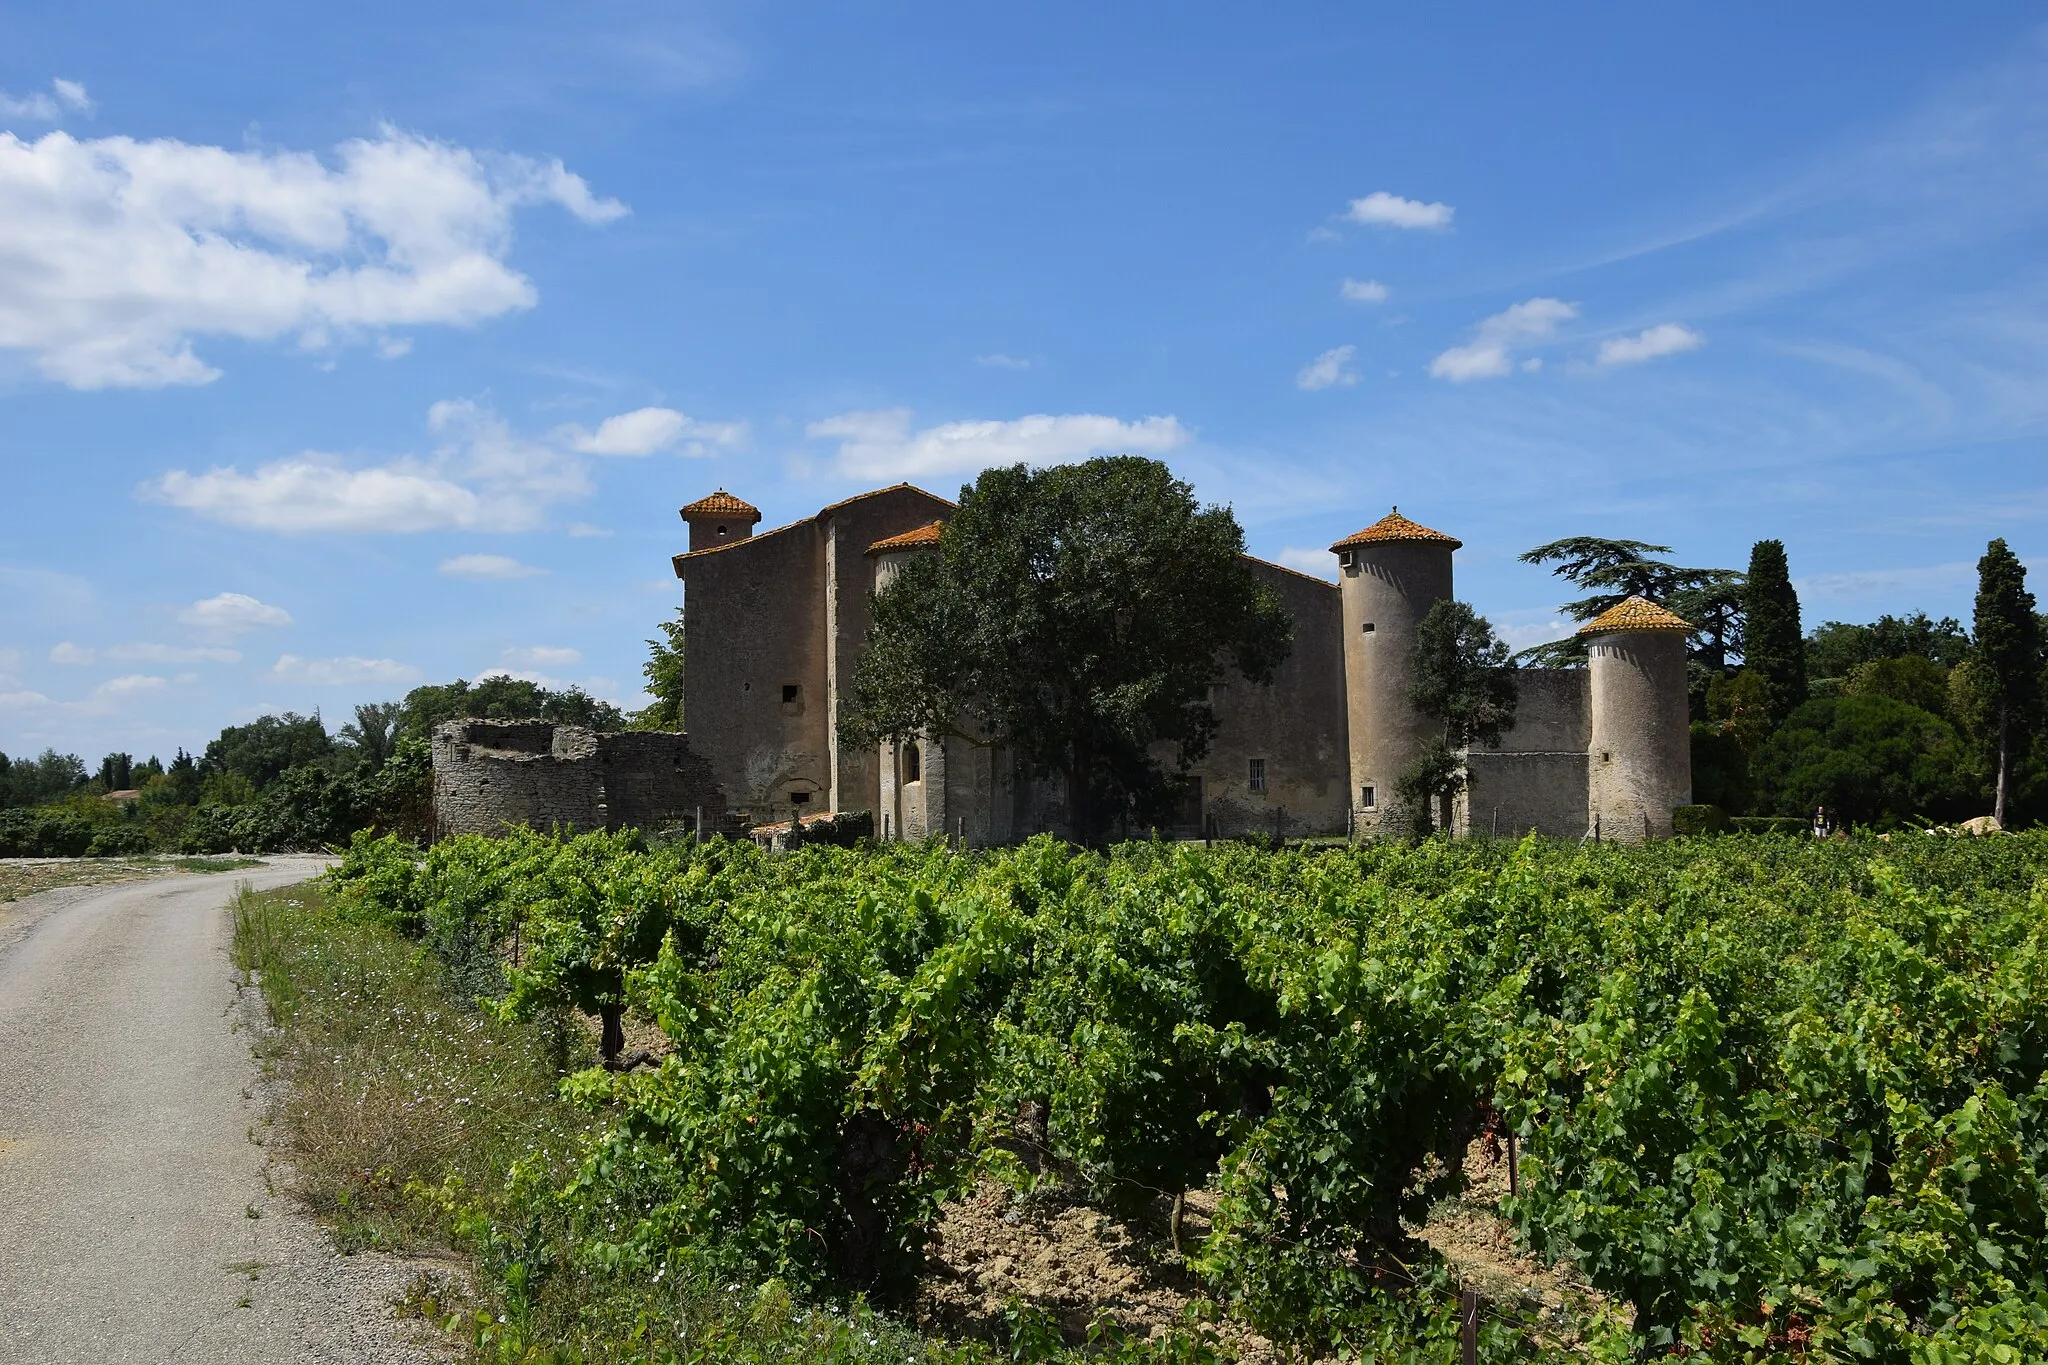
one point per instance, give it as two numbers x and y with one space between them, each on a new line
1392 527
722 504
1634 614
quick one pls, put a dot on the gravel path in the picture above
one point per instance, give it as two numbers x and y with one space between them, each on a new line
139 1219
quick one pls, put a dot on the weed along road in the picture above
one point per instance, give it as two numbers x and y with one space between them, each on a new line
140 1219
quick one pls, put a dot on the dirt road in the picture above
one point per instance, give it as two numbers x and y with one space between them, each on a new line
138 1218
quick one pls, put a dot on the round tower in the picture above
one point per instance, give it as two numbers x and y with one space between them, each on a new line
913 770
719 520
1391 574
1639 760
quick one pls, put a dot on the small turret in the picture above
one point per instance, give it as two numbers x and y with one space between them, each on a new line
891 553
1639 764
1393 572
719 520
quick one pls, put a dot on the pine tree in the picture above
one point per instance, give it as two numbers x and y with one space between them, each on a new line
1772 644
2006 668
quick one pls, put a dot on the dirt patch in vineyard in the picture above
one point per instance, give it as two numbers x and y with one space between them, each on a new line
1068 1260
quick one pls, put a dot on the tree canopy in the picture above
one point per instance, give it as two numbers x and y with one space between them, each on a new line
1078 615
1464 679
261 750
664 673
1837 647
1773 646
500 697
1868 759
2005 671
1614 570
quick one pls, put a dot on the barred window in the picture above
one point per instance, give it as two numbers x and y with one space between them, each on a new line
1257 775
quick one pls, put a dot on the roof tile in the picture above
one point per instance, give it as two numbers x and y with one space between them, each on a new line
1395 527
909 540
1634 614
721 504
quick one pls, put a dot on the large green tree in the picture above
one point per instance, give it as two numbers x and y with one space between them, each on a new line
1773 647
2005 670
664 673
1868 759
499 697
1077 615
1464 679
1613 570
261 750
1835 648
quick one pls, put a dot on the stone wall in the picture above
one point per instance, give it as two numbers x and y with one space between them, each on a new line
491 774
1536 780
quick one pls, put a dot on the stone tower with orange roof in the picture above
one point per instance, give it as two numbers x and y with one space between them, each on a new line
1391 574
1639 757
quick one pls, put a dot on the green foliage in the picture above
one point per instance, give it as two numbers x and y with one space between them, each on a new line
1079 615
664 673
1774 1093
34 781
2004 695
1698 819
1834 649
1910 678
499 697
1773 647
1615 570
1868 759
1464 680
261 750
373 732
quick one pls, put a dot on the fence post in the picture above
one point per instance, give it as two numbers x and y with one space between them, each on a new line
1514 1173
1468 1327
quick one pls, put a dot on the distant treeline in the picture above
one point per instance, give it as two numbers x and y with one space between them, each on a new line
279 782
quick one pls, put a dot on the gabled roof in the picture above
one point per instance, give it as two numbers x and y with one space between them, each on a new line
722 504
915 539
1394 527
1633 614
823 514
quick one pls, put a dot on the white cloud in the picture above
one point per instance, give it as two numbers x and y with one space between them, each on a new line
391 348
48 107
1380 209
144 652
498 567
231 613
341 672
1363 291
484 478
646 430
1488 354
115 254
583 530
998 361
542 656
1316 563
880 444
130 684
1666 338
1332 367
22 701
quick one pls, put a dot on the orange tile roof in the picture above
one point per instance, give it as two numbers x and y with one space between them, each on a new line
909 540
1392 527
1634 614
721 504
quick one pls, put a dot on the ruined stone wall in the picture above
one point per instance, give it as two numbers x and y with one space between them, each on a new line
492 774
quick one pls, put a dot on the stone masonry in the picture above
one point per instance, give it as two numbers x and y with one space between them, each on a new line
492 774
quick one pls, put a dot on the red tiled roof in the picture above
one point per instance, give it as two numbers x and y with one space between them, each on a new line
1392 527
1634 614
722 504
909 540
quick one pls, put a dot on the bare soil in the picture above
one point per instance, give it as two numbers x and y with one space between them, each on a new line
21 877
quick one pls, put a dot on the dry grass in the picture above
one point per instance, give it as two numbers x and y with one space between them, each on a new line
24 877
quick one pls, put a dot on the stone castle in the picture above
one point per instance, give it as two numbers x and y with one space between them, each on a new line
774 624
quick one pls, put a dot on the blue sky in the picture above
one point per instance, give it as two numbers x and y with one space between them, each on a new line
351 348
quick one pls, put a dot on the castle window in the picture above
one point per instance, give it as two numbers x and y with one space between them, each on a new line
1365 629
1255 778
791 692
799 798
913 767
721 530
1365 798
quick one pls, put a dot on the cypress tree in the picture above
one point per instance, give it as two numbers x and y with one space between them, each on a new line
2006 666
1771 642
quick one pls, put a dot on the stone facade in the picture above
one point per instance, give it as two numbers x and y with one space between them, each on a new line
774 624
491 774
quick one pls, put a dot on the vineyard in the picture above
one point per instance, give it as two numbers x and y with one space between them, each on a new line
1775 1098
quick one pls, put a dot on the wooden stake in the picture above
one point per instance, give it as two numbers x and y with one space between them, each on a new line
1468 1327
